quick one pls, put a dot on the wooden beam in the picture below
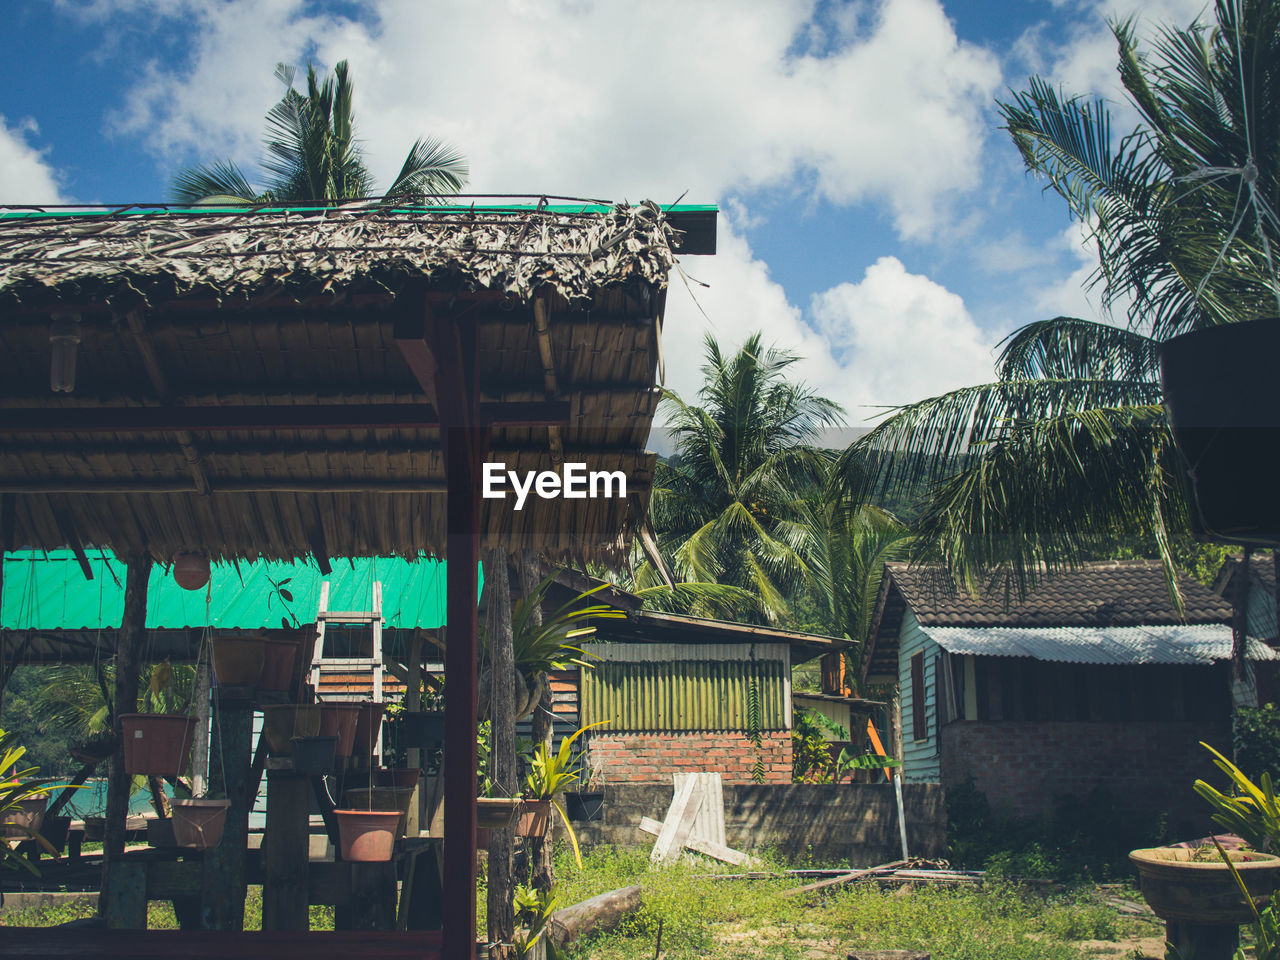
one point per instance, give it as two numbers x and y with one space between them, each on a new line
413 329
67 530
88 485
319 549
542 326
218 419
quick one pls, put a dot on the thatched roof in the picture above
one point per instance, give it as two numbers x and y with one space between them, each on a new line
187 315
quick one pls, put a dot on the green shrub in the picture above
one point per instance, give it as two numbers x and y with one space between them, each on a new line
1256 738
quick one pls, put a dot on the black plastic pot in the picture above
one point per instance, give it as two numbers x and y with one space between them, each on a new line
585 805
313 756
424 729
160 834
54 829
1220 394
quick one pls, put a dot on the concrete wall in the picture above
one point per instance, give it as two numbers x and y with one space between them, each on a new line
1147 767
847 823
653 757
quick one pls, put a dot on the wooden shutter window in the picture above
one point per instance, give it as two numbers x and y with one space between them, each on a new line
919 728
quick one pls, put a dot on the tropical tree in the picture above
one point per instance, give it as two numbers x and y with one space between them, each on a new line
312 154
727 507
1069 448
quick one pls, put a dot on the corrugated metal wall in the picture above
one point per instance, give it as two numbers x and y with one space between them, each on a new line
650 687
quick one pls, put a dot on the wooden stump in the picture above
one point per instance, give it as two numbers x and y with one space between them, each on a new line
888 955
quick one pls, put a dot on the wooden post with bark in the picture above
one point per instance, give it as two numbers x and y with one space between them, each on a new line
128 652
502 742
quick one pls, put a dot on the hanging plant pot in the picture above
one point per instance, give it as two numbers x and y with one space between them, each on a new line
584 805
313 756
422 730
54 829
367 835
238 661
497 813
95 829
190 569
23 819
278 659
482 838
535 815
404 777
283 722
157 744
199 823
367 728
382 798
160 834
340 720
1218 392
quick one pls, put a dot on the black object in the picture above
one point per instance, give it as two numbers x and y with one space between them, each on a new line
585 805
425 729
1220 394
313 756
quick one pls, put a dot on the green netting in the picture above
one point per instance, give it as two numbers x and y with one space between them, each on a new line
48 591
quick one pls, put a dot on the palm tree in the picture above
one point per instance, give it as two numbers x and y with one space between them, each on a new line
1069 448
728 507
313 155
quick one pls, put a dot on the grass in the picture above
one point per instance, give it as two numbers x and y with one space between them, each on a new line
700 917
160 914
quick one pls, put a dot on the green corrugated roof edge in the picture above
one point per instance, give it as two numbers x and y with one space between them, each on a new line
144 210
46 590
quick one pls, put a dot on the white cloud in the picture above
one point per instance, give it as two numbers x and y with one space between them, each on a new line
613 100
25 173
891 338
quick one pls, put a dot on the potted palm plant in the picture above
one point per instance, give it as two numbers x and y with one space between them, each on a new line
23 797
549 774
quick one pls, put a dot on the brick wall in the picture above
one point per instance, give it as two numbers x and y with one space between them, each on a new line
1147 767
854 823
653 757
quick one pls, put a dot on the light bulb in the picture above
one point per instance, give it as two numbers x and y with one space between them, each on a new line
64 336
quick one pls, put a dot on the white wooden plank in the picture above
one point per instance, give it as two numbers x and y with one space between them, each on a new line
709 823
717 851
680 815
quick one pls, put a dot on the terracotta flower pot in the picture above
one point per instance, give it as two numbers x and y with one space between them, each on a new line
279 657
367 728
26 816
238 661
535 815
367 835
497 812
285 721
340 720
382 798
157 744
199 823
406 777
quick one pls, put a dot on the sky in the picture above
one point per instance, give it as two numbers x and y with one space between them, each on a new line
874 217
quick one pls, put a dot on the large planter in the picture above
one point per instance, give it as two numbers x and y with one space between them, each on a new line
497 813
238 661
535 815
1220 399
199 823
24 820
584 805
1179 887
422 730
279 657
156 744
283 722
367 835
340 720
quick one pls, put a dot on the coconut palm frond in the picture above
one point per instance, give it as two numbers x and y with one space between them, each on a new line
217 183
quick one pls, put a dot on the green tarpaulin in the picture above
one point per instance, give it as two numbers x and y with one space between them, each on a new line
48 591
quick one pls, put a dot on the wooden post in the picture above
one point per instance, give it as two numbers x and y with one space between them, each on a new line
128 651
286 841
465 443
542 872
229 772
502 742
200 743
413 704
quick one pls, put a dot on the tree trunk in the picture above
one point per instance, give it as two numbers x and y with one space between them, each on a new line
128 651
542 873
200 743
602 912
502 743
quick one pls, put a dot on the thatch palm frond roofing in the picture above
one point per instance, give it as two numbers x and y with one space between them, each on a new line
253 383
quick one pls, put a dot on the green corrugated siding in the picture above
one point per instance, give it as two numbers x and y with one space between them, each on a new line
683 695
48 591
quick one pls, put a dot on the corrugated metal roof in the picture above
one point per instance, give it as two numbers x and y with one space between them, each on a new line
1185 643
48 591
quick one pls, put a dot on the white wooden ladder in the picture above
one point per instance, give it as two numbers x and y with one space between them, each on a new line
320 664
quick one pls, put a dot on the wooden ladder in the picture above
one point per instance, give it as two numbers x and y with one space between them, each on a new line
321 664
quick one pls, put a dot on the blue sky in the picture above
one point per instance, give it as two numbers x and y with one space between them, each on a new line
875 219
